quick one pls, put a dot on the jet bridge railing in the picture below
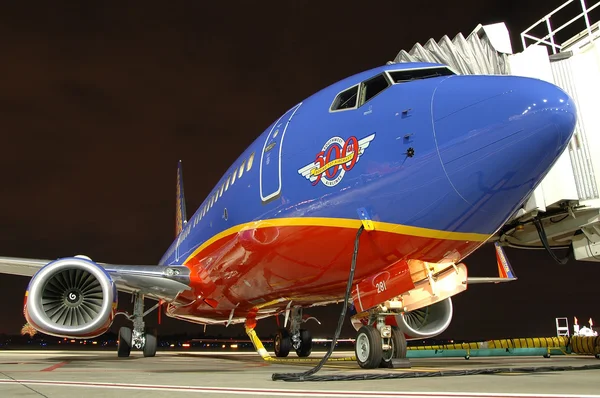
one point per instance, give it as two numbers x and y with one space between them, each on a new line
550 38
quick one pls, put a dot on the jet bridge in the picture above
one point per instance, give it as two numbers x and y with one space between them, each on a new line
564 210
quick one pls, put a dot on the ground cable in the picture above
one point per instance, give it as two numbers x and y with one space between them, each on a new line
305 375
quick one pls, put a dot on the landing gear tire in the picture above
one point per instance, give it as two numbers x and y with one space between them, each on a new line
124 342
368 350
305 344
597 356
546 356
467 357
398 350
150 343
283 344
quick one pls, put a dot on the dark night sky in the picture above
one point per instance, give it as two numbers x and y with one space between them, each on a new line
99 101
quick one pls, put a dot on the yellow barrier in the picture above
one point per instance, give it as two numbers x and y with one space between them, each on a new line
458 346
534 342
586 345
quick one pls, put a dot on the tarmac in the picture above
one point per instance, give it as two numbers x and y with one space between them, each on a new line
100 373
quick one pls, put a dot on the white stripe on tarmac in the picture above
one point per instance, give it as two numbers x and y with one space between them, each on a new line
283 392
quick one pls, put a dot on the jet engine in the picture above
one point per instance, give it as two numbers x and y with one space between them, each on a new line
427 321
71 297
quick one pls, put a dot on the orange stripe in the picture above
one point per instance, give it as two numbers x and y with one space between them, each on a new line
342 223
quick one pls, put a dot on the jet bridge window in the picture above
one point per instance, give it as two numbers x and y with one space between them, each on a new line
404 76
370 88
345 100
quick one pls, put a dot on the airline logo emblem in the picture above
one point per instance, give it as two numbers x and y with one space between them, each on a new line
503 266
336 158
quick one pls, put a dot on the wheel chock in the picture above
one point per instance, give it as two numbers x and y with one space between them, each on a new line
398 363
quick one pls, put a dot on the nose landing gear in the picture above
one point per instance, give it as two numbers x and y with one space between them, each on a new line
299 339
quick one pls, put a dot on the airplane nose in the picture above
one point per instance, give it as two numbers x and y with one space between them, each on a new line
497 136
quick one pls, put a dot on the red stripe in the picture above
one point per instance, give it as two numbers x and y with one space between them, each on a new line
56 366
307 263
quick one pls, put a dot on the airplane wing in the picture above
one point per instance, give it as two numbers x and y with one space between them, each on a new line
154 281
505 271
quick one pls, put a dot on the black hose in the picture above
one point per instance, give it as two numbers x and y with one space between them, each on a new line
544 240
451 372
303 376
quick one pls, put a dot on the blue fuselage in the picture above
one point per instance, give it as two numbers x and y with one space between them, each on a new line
446 153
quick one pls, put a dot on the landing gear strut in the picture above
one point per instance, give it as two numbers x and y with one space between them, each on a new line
298 339
378 344
141 337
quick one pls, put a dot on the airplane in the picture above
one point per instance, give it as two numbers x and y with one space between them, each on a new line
401 171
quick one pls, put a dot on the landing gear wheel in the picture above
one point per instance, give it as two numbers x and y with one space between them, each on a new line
597 356
546 356
467 357
399 341
150 343
282 343
398 350
368 348
305 344
124 342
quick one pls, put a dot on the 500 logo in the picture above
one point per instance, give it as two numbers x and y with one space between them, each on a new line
336 158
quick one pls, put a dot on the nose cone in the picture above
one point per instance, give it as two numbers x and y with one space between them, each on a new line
497 137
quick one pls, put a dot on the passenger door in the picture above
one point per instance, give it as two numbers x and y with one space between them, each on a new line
270 158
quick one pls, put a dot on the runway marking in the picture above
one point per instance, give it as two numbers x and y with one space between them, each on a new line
286 392
55 366
21 363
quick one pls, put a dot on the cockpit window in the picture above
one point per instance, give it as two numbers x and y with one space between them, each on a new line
360 94
370 88
346 99
404 76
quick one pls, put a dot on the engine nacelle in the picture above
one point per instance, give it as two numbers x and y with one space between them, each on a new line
71 297
425 322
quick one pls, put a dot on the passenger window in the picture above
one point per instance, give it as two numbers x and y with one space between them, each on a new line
222 189
227 182
372 87
241 171
250 161
345 99
233 177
